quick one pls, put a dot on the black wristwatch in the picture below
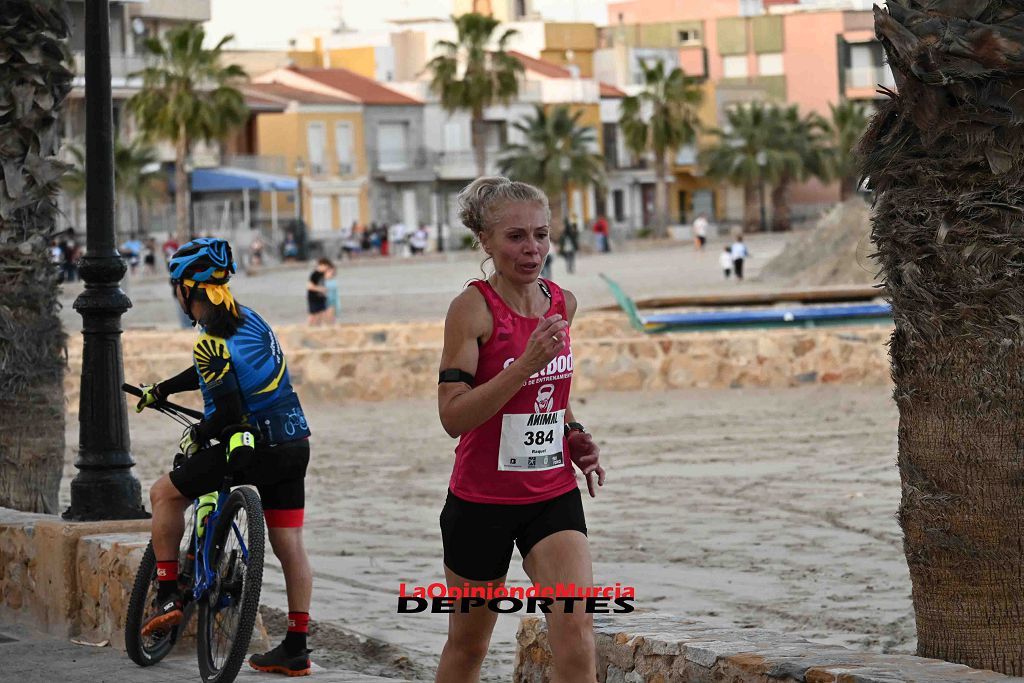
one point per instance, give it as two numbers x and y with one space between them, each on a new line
574 427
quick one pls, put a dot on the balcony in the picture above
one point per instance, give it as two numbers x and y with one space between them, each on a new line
263 163
686 156
461 163
402 165
120 64
869 77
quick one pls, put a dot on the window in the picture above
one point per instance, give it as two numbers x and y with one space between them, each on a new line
316 143
690 35
322 219
734 66
343 147
619 205
770 64
455 136
348 210
392 149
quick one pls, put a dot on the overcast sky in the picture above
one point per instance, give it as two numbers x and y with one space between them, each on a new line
268 24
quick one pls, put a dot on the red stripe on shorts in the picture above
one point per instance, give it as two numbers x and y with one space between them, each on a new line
278 519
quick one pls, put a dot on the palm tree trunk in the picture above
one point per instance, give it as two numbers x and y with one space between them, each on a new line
781 212
945 225
844 188
557 217
181 188
661 196
32 341
751 208
478 133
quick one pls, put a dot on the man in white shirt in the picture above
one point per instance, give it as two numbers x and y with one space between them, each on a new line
418 240
738 251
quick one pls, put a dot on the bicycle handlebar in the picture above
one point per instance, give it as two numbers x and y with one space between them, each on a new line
135 391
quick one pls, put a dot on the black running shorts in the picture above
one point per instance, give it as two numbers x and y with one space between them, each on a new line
278 473
478 537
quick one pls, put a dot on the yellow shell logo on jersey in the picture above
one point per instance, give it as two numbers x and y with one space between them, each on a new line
212 358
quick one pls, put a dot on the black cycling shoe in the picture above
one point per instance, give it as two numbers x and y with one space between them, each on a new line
278 661
168 614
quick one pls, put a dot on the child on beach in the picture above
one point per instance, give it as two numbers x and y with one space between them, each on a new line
333 311
725 261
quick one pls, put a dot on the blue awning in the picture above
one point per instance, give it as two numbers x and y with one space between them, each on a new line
229 179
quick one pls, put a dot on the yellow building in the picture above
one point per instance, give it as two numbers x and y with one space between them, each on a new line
320 137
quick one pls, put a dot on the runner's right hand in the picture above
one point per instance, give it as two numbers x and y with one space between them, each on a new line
149 397
545 343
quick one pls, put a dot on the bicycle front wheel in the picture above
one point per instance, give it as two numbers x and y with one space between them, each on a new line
227 613
146 650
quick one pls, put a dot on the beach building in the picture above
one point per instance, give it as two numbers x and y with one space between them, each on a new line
807 53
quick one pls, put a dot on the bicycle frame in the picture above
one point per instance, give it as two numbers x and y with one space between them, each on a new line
203 576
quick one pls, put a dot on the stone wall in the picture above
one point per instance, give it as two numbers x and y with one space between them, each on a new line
660 648
399 361
73 579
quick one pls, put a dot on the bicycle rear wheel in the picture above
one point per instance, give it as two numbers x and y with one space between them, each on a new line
227 613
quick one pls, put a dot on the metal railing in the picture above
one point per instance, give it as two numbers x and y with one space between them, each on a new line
417 158
264 163
121 65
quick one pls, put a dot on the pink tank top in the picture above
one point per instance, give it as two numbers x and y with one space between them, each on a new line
519 455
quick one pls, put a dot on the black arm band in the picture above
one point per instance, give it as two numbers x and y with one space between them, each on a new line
456 375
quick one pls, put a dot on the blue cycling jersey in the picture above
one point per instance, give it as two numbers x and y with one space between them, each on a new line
252 363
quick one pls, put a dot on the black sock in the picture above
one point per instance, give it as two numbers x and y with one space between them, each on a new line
294 643
165 591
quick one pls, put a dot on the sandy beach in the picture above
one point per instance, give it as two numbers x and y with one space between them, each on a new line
748 507
767 508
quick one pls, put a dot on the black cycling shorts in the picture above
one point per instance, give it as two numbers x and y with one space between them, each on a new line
278 473
478 537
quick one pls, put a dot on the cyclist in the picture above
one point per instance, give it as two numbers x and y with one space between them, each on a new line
506 370
240 368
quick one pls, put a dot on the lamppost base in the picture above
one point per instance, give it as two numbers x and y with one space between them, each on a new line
105 495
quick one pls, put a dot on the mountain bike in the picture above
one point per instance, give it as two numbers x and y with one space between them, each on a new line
220 574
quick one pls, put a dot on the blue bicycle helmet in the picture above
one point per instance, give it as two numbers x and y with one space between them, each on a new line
207 259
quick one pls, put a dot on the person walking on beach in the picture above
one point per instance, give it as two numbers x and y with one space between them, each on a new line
739 253
725 261
700 232
506 368
316 292
601 234
569 245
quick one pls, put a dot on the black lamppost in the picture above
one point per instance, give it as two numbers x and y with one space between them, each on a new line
762 161
300 168
104 487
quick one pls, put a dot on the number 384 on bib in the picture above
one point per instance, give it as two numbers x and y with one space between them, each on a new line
531 442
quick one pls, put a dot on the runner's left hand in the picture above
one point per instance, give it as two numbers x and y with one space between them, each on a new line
585 454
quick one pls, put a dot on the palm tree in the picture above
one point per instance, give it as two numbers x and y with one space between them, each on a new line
135 173
661 119
848 123
34 80
557 151
943 157
795 150
468 76
187 95
740 154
